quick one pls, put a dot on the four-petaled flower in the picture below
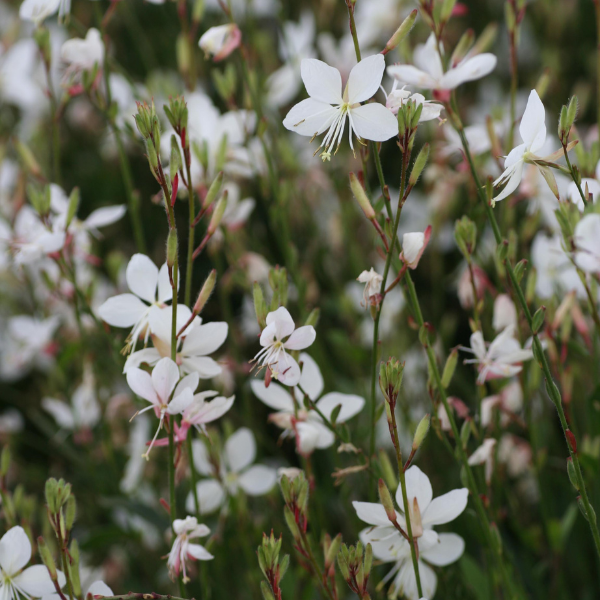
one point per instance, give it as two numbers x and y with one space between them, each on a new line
372 281
183 549
328 107
282 365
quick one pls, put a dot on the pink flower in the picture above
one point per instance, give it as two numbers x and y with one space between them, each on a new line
221 41
183 550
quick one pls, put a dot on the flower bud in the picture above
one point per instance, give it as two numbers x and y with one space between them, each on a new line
390 379
419 165
572 474
387 470
465 234
205 292
260 306
538 319
313 317
152 157
421 432
332 551
215 219
591 516
213 191
446 12
197 11
74 568
73 206
463 46
176 161
572 440
291 523
171 248
220 41
449 368
519 270
361 197
401 32
386 499
71 512
267 593
47 558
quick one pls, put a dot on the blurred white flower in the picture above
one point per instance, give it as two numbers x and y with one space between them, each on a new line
505 312
425 512
282 365
38 10
328 107
183 550
398 98
484 455
11 421
413 246
219 42
508 401
428 72
587 243
307 425
372 281
15 580
82 54
32 239
234 472
501 359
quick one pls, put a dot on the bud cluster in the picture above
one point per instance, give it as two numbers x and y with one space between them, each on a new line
390 380
272 568
355 564
295 496
465 234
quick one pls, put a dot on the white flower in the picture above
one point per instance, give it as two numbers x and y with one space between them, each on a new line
327 107
372 281
505 312
96 588
158 388
484 455
413 246
533 133
428 72
501 359
183 550
11 421
587 243
38 10
282 365
397 98
83 412
219 42
509 401
306 426
235 472
516 454
150 288
477 136
33 582
199 412
436 549
83 54
193 346
33 239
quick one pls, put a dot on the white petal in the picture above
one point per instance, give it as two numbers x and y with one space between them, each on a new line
445 508
205 339
417 486
105 216
374 122
149 356
61 412
210 496
449 549
141 384
533 123
216 408
351 405
310 117
124 310
99 588
311 436
372 513
180 402
365 79
165 376
199 552
15 550
35 581
412 76
258 480
513 182
322 82
311 379
274 396
205 366
165 291
302 338
142 277
282 320
240 449
287 371
473 68
201 457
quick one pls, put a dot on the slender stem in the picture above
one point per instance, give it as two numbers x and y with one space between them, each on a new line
551 387
194 474
192 216
514 82
572 172
350 6
402 475
474 291
597 6
315 565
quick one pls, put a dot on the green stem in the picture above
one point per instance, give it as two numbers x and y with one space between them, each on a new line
402 475
190 250
551 386
194 474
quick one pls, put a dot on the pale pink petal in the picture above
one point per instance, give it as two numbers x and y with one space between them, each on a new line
205 339
35 581
99 588
533 123
449 549
412 76
372 513
311 379
199 552
205 366
469 70
105 216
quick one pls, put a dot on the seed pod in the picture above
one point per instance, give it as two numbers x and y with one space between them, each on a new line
421 432
386 499
361 197
205 292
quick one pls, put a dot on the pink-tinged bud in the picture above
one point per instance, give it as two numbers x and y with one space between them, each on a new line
386 499
174 190
572 441
219 42
413 246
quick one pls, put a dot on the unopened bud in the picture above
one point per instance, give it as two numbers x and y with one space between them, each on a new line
291 523
519 270
71 512
152 157
449 368
401 32
74 568
205 292
361 197
73 206
267 593
589 516
175 162
313 317
332 551
213 191
419 165
463 46
47 558
215 219
572 440
538 319
368 560
421 432
572 474
465 234
171 248
386 499
446 12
